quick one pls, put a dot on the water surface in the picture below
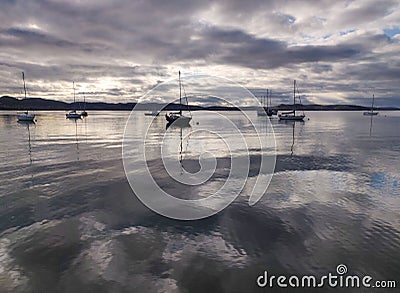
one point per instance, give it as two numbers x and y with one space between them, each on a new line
69 221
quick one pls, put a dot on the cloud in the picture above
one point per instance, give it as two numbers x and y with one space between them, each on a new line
120 49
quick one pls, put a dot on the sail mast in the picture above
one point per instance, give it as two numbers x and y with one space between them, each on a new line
294 97
180 94
373 100
270 98
23 78
73 85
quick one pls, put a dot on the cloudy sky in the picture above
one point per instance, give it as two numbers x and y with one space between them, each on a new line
115 51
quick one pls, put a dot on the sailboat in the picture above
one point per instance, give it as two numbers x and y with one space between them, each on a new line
73 114
270 111
26 116
177 118
261 112
84 113
371 113
154 113
291 116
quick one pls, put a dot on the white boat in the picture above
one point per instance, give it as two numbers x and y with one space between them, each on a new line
84 113
291 115
177 118
262 112
152 113
26 116
371 113
270 112
266 109
73 114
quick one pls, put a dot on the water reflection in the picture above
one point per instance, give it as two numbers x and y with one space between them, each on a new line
370 126
292 126
182 149
334 199
76 139
28 124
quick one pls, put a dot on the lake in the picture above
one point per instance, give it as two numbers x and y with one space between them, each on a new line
70 222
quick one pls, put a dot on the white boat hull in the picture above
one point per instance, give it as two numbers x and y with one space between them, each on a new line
370 113
261 113
26 117
291 118
73 116
152 114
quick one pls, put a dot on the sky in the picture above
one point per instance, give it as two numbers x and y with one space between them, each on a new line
340 52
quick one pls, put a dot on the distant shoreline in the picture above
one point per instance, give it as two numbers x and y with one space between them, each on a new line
12 104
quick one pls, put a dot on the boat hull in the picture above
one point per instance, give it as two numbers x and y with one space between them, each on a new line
152 114
178 120
261 113
291 118
26 117
370 113
73 116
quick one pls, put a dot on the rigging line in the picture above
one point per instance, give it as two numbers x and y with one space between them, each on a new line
187 103
298 94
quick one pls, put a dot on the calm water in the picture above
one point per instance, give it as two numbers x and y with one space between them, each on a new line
69 221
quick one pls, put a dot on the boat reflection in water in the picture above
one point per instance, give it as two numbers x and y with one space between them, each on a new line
293 123
28 124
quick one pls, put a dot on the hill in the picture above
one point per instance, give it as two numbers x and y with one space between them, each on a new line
10 103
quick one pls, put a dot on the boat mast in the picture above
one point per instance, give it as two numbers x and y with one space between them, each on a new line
373 100
180 94
294 97
267 99
270 98
23 78
73 85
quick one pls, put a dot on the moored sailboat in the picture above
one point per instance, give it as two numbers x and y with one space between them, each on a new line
262 111
84 113
371 113
152 113
26 116
73 114
270 111
177 118
291 115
